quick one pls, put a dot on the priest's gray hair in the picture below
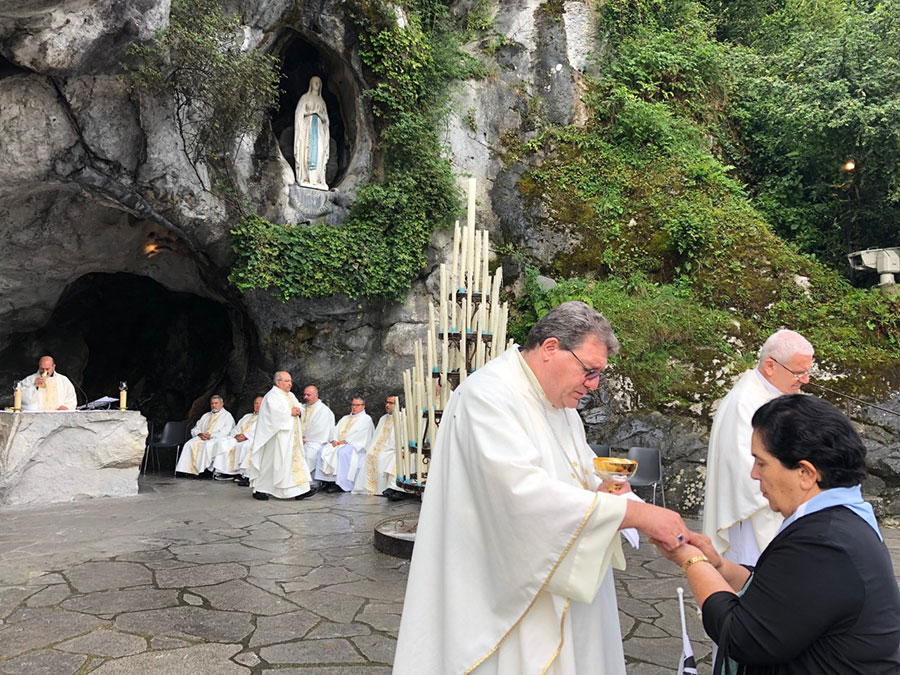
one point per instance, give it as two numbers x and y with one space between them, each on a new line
783 345
278 375
216 396
570 323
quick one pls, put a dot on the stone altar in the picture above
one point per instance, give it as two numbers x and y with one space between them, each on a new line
69 456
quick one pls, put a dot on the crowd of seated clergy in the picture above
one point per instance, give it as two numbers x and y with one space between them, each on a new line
350 455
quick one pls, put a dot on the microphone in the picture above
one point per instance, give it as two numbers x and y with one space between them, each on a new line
78 386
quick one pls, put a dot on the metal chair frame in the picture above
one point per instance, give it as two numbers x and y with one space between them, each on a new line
649 471
172 436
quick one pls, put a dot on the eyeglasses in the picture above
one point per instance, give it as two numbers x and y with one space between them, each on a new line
589 373
798 374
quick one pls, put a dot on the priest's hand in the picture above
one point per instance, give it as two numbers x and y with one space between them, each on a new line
240 438
205 436
663 525
337 443
295 411
39 382
614 488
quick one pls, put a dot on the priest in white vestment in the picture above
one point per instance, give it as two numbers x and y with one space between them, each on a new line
197 454
736 516
277 465
230 453
378 472
318 426
510 573
340 460
47 389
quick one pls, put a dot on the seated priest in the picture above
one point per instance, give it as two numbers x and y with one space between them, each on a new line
339 460
318 425
377 472
197 454
47 389
230 452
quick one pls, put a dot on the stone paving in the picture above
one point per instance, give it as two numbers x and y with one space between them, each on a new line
195 577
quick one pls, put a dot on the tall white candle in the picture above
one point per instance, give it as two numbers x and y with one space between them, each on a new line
462 343
477 282
404 454
456 242
463 259
398 440
485 252
479 346
407 398
444 300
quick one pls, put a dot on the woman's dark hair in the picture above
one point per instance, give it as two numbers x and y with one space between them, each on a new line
798 427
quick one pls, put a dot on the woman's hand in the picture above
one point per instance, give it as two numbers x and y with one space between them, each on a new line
678 555
704 543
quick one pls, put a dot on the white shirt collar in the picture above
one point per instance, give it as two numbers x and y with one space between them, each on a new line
771 387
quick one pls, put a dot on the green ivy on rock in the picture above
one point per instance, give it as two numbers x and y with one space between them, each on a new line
381 247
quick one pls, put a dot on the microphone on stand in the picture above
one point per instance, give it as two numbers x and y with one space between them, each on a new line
78 386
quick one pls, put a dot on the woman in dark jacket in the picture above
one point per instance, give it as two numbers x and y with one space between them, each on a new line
823 598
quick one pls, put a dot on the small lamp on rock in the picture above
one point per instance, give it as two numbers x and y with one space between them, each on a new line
123 395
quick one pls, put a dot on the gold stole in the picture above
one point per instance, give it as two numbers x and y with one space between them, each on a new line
299 470
372 456
209 425
48 394
246 425
342 434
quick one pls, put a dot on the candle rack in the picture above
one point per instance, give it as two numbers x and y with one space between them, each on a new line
469 331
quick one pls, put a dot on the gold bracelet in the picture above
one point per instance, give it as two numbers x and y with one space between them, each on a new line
687 563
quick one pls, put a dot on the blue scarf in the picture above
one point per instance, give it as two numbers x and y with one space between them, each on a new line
848 497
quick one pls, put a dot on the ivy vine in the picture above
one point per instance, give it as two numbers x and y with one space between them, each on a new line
381 248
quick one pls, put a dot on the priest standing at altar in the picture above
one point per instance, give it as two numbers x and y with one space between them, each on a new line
47 390
340 459
277 466
511 569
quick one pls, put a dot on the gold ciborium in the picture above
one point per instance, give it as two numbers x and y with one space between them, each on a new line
616 471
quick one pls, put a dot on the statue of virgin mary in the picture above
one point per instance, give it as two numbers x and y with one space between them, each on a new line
311 137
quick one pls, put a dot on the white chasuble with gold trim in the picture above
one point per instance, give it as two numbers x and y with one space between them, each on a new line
511 569
276 463
197 455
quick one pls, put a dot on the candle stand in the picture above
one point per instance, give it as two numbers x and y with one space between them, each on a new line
467 331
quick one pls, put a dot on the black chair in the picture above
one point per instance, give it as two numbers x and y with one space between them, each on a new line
172 436
599 450
649 471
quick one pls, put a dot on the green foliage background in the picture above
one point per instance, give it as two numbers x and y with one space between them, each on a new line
712 126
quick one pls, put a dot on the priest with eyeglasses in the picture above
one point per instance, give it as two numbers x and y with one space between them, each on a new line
736 516
512 568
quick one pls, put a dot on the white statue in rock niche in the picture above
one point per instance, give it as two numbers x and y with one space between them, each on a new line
311 137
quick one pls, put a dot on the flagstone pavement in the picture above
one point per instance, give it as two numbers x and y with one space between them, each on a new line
195 577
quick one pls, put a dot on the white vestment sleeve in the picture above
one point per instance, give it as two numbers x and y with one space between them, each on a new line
66 394
584 567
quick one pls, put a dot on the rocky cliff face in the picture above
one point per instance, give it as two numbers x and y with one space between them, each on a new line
94 181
